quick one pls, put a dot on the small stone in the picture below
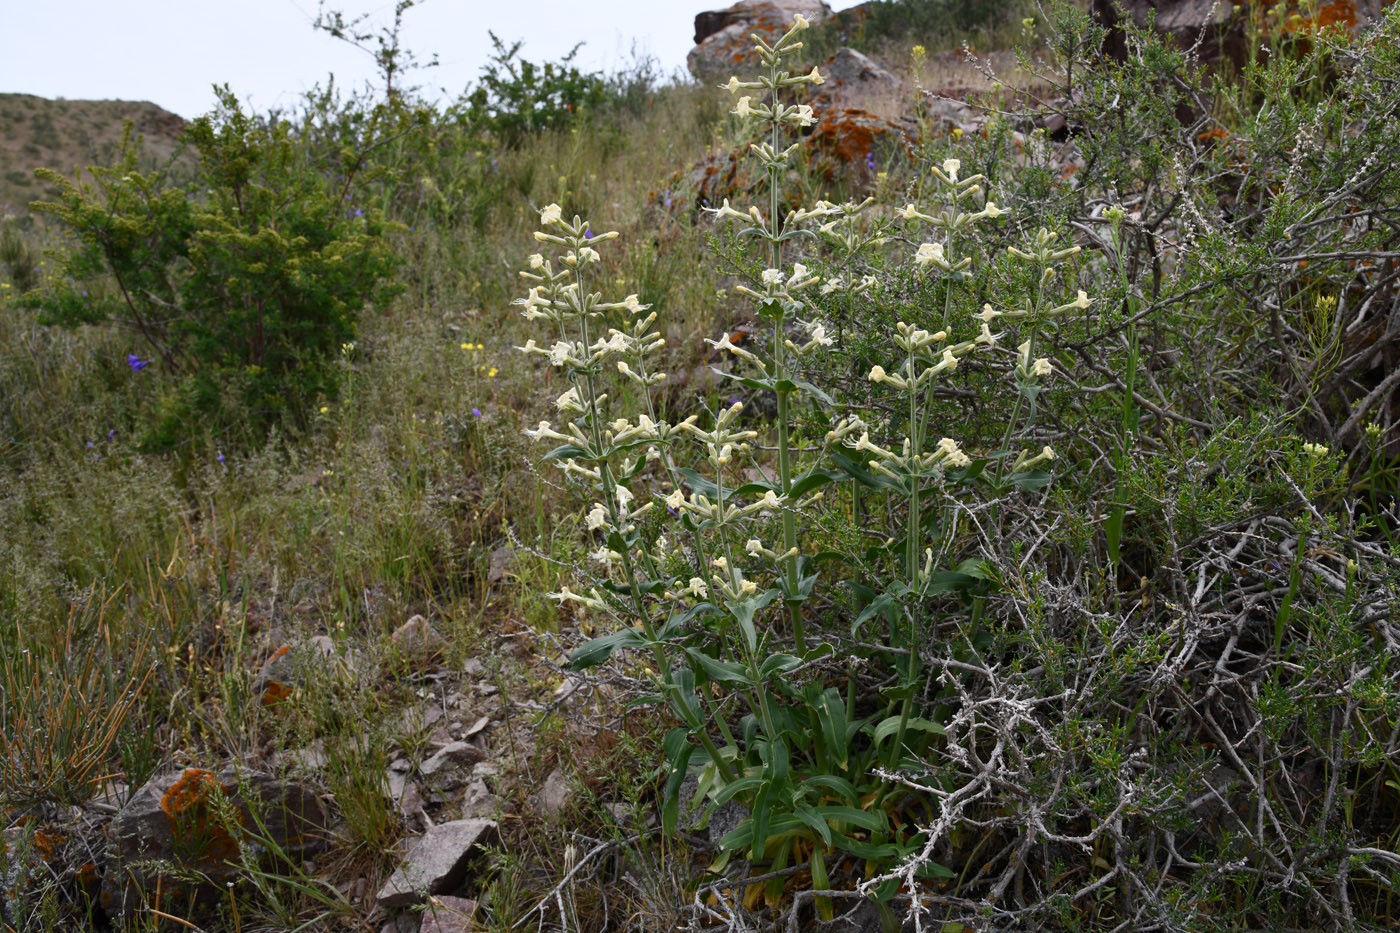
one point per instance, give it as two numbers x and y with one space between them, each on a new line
437 864
476 727
473 668
416 637
477 800
502 559
446 914
396 782
555 796
451 766
411 800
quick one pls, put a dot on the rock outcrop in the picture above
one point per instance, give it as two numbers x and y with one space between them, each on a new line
1217 30
197 824
722 43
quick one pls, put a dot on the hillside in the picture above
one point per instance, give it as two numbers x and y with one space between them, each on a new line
64 134
897 480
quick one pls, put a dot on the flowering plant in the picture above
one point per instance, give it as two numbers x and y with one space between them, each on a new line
721 597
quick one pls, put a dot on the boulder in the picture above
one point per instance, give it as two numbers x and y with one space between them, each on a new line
853 80
196 822
437 864
1219 28
850 140
722 43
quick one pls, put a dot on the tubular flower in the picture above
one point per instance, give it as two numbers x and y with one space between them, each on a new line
551 214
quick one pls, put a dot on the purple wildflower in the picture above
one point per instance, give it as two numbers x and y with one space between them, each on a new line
588 234
136 363
220 458
477 412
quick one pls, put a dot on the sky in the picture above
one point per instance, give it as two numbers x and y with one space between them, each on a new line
170 52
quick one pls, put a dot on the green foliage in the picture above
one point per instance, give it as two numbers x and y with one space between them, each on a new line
871 26
517 98
245 285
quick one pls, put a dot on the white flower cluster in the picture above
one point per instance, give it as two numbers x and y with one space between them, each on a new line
946 454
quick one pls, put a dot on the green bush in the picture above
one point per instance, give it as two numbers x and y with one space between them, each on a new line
243 286
517 98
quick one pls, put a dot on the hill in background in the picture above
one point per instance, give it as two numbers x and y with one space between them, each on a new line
67 134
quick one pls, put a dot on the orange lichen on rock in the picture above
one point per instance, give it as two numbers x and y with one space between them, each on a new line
275 692
188 804
46 844
189 791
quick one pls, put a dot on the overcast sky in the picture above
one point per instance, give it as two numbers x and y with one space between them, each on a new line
171 51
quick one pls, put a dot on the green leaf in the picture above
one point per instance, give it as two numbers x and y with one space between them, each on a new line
946 581
934 870
568 452
813 391
734 788
865 819
891 725
598 650
813 479
860 849
725 672
698 483
744 611
820 882
813 819
678 752
865 477
831 713
835 783
884 604
778 664
1030 480
685 701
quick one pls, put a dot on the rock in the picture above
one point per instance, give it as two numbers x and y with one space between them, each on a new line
194 821
411 800
724 820
307 760
723 46
451 766
417 638
473 667
853 80
289 667
1219 28
477 727
477 800
437 864
856 140
556 795
400 924
449 915
502 560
